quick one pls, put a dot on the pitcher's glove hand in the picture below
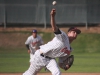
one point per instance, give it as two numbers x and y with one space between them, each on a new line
67 63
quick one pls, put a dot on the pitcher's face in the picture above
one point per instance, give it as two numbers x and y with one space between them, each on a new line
72 35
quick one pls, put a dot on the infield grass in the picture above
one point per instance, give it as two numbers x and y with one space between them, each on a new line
86 52
19 62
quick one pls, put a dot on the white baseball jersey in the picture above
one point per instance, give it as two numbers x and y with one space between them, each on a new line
58 47
31 40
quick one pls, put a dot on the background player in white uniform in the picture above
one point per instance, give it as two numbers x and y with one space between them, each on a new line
33 42
58 47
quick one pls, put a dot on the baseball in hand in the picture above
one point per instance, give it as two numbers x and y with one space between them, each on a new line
54 3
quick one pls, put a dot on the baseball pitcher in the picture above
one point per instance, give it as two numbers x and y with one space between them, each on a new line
59 47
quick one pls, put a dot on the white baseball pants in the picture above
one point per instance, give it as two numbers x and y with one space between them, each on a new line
38 62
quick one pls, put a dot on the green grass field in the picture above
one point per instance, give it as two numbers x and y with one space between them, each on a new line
86 52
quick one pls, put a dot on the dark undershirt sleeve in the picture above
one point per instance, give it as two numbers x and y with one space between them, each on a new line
58 32
27 47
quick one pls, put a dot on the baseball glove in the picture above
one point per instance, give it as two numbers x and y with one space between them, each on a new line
67 63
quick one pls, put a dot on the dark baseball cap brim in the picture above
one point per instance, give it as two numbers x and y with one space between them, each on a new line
78 31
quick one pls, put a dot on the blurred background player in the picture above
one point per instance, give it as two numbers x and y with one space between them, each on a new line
33 42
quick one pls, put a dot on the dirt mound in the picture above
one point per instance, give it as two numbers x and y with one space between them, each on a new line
50 74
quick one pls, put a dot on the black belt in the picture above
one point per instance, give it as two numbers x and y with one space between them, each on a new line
45 56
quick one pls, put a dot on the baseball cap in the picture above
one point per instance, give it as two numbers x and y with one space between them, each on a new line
34 31
74 29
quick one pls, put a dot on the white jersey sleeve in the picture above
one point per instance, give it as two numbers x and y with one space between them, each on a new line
40 41
54 47
47 47
28 41
61 36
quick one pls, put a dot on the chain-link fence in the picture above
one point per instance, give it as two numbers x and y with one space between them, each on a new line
38 11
